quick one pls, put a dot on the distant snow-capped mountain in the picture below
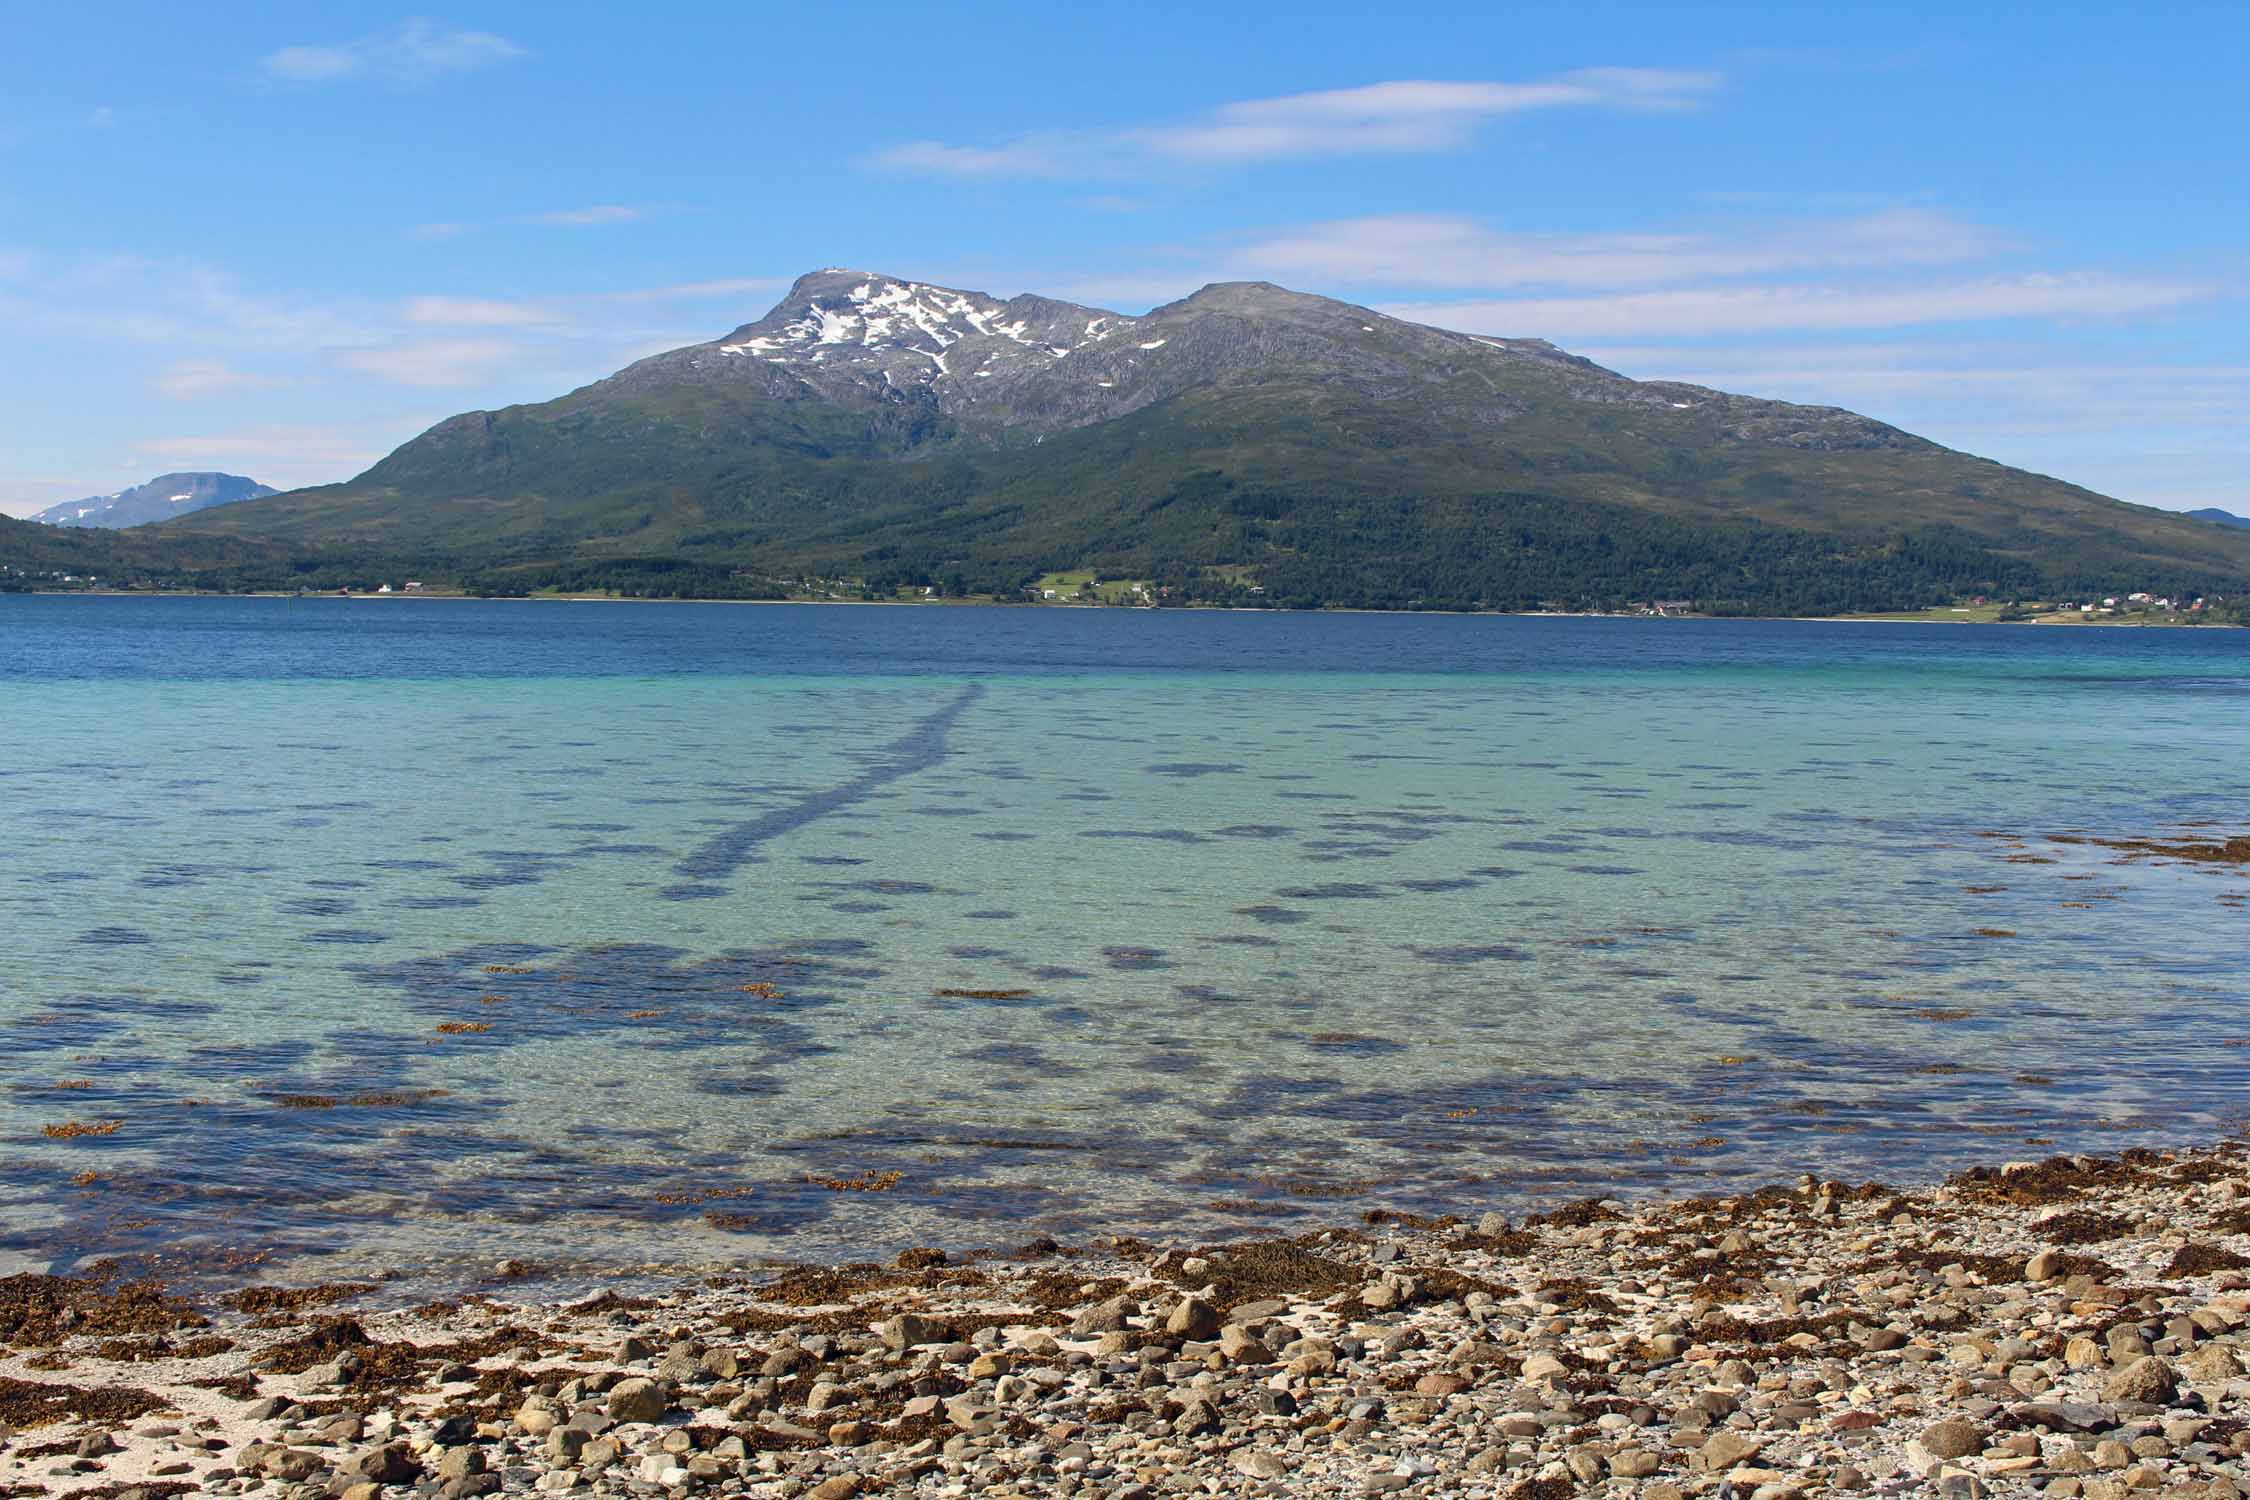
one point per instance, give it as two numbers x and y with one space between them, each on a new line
160 499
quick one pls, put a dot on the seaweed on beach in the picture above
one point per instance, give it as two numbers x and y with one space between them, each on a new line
41 1311
28 1404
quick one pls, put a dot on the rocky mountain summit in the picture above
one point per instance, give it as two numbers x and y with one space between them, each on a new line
986 370
161 499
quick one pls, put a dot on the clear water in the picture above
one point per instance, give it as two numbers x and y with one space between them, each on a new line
1252 920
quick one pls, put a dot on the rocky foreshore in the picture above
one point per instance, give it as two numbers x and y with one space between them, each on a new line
2078 1327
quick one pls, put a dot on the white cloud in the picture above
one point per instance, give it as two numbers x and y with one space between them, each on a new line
1412 115
1452 250
2154 433
474 312
102 117
594 216
1031 156
197 379
432 363
1398 116
414 51
727 287
1708 311
282 454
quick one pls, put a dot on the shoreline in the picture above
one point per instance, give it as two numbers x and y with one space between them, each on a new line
2078 1327
1217 609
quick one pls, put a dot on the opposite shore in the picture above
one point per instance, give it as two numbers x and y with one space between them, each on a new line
1928 618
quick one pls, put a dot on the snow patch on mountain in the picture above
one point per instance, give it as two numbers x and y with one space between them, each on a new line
910 331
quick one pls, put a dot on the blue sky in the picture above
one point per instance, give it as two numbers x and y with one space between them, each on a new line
280 240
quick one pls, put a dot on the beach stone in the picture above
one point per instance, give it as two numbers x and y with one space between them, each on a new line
2045 1266
1382 1295
912 1331
538 1416
2212 1364
1726 1450
1953 1439
2146 1379
1240 1345
836 1487
1104 1317
292 1465
1259 1464
637 1400
1440 1384
460 1463
1198 1416
1544 1367
1193 1318
392 1463
1632 1463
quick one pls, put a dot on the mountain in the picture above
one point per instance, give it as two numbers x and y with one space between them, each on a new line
1244 442
39 556
2222 517
162 498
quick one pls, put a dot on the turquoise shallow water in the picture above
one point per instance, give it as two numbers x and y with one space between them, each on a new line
801 932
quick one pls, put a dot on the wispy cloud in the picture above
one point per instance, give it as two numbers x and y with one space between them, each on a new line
202 379
1735 310
1413 115
594 216
1454 251
475 312
735 286
432 363
414 51
2149 431
282 454
1400 116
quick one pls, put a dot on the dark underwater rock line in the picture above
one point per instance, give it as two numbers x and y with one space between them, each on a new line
919 749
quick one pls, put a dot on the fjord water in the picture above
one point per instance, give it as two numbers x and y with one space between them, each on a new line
422 933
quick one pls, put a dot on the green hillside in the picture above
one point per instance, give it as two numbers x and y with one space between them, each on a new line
1247 438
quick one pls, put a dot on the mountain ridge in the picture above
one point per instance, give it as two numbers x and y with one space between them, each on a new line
159 499
1245 436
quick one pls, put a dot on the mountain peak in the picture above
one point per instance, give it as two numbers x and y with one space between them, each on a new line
161 498
908 333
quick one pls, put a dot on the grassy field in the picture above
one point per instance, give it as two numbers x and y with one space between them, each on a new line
1989 614
1080 582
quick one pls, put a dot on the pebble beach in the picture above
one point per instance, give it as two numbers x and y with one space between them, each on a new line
2074 1327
